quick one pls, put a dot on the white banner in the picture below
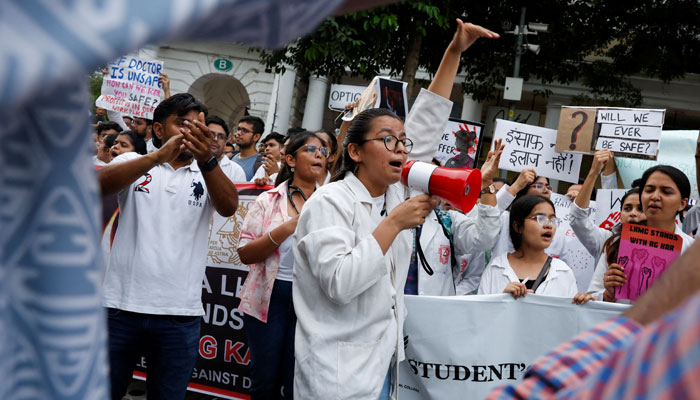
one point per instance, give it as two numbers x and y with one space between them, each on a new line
530 146
465 153
462 347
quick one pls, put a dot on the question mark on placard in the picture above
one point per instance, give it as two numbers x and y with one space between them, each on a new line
574 134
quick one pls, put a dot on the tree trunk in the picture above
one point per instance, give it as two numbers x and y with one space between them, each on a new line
412 58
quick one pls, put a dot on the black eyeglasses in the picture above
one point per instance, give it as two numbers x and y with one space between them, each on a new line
312 148
391 141
243 130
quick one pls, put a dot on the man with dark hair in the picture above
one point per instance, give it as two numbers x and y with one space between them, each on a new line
128 121
267 172
152 286
229 150
102 130
247 134
220 133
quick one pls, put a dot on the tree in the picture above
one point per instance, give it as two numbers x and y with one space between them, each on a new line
600 43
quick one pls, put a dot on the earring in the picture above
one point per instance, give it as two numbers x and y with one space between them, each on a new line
292 169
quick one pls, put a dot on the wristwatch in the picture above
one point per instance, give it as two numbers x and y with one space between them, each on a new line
209 165
490 189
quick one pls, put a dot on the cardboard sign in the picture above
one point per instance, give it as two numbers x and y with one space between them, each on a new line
575 133
382 93
460 144
609 204
620 130
132 87
528 146
676 148
342 95
645 253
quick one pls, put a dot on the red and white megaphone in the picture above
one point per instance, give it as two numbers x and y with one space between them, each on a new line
459 187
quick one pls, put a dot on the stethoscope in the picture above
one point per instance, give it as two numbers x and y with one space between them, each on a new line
291 190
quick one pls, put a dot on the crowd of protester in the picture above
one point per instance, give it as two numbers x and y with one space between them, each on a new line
337 243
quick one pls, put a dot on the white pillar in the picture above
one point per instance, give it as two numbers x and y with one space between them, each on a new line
285 90
315 103
471 109
551 121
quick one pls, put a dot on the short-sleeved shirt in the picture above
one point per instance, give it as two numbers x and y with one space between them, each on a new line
160 248
248 164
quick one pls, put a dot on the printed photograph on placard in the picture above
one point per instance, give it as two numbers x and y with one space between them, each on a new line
460 144
393 96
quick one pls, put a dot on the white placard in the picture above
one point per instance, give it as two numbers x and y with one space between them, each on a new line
608 203
627 146
342 95
630 117
131 87
470 137
463 347
528 146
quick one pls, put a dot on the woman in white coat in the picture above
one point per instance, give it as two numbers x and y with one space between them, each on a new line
529 269
353 246
447 234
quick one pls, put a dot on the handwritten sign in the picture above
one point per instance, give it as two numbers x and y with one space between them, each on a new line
645 253
609 204
676 148
382 93
528 146
342 95
131 87
576 130
460 144
632 131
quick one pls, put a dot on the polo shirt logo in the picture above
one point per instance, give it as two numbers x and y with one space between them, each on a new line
141 187
197 193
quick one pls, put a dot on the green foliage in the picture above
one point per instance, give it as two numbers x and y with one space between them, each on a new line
95 85
599 43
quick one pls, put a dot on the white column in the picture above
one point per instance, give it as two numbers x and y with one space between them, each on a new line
285 90
551 121
315 103
471 109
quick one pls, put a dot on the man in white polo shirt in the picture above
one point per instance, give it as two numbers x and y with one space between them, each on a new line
153 284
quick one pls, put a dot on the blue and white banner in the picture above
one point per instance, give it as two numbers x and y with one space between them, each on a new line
462 347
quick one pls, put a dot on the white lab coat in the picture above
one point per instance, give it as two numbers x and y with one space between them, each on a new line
560 279
350 311
474 232
597 287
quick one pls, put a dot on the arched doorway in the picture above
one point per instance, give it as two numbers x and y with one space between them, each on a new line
224 95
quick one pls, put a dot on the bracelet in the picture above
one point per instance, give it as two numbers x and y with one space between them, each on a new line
269 235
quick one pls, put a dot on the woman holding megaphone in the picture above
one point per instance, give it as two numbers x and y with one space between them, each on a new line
353 246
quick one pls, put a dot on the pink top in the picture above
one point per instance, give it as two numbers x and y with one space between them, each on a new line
267 212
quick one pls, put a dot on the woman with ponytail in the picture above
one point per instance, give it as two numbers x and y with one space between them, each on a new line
266 246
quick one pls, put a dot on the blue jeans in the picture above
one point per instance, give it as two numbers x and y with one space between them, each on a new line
272 346
169 342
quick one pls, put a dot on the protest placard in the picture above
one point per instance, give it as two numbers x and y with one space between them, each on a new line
644 253
528 146
676 148
575 133
382 93
342 95
131 87
460 144
609 203
632 131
